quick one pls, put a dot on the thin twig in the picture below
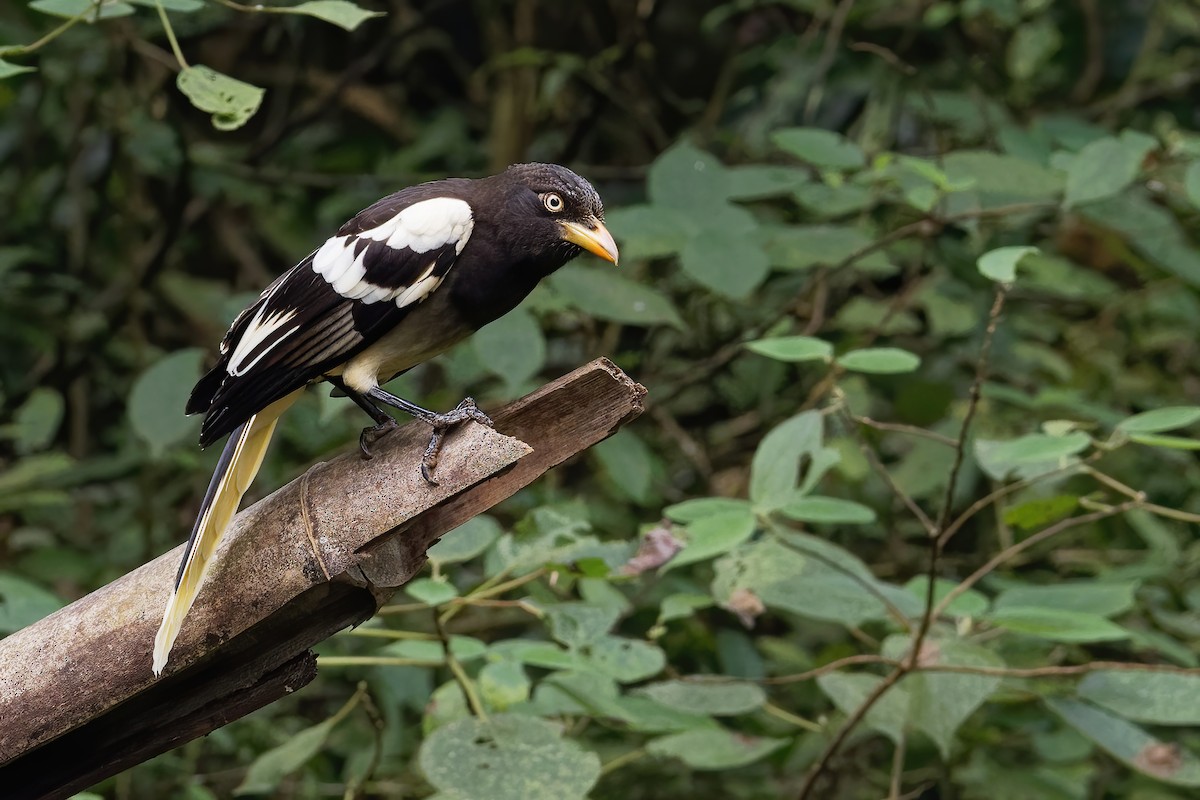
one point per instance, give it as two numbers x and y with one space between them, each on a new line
832 666
1025 544
911 430
882 471
790 718
849 725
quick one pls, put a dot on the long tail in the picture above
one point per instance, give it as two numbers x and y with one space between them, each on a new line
239 463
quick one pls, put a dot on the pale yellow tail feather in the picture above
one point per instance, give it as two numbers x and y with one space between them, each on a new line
248 444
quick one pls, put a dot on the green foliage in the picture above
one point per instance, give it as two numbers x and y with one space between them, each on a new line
818 207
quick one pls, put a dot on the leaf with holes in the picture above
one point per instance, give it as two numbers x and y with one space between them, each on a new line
507 757
230 101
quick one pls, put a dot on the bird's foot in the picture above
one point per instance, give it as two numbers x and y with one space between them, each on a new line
371 435
442 423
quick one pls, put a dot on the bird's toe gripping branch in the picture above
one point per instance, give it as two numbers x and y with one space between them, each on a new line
372 434
441 424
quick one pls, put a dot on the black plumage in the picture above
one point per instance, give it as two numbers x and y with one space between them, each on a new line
514 242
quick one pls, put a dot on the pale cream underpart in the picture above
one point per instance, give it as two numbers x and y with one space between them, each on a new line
431 327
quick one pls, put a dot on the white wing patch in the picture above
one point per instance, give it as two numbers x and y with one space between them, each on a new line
261 329
427 225
420 228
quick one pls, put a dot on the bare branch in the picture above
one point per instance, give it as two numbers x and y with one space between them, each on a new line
77 696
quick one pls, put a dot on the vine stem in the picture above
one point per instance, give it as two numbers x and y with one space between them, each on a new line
162 14
26 49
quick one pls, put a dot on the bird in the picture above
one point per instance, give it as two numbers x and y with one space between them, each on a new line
406 278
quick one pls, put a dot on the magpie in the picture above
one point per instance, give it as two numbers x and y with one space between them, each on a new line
405 279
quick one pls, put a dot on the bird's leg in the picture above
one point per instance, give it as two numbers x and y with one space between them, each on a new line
384 422
441 423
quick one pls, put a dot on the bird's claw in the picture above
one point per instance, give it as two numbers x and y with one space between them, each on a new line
442 423
371 435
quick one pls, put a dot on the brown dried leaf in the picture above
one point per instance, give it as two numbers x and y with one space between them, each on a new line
657 547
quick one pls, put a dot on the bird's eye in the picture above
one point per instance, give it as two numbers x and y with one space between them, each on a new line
552 202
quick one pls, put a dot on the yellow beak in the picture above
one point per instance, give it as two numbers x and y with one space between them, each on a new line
594 238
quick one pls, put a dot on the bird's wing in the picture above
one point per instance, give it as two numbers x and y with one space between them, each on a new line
340 299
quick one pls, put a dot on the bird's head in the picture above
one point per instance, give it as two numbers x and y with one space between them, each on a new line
554 214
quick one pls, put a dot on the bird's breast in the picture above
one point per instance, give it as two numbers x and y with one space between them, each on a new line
431 328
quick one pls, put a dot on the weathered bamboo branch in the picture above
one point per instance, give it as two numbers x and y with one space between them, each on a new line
77 699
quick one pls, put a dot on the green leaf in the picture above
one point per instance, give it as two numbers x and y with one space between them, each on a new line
37 420
711 536
433 592
692 510
269 769
775 469
793 348
602 293
687 178
508 757
230 101
681 606
1161 419
466 541
625 660
707 696
339 12
940 702
512 347
1057 625
968 604
1169 442
614 657
1130 744
1191 182
828 510
1033 44
1041 512
714 749
1159 698
1001 264
580 624
186 6
628 463
730 264
848 691
73 8
880 360
820 147
798 247
503 684
1003 175
999 459
1105 167
649 231
159 395
23 603
8 69
1089 597
762 181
